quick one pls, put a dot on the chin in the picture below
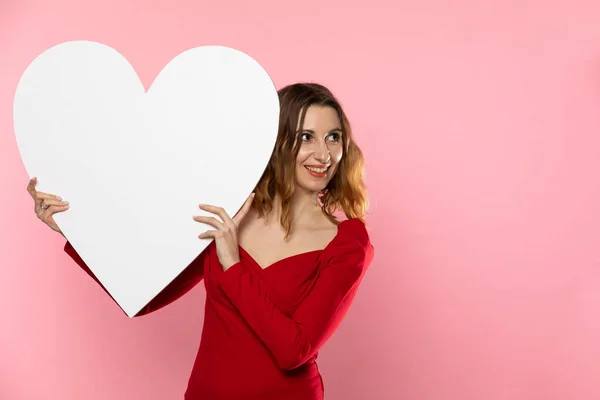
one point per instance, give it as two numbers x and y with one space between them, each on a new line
314 187
309 188
309 183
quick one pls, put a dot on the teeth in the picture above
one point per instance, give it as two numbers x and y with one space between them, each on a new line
318 170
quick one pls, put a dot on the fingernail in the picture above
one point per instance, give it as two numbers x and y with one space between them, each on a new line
253 194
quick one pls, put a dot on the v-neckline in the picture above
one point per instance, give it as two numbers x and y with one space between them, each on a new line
249 256
305 253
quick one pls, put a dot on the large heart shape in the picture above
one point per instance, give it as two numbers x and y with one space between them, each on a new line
134 165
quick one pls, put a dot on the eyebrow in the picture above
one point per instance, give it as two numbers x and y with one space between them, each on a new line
312 131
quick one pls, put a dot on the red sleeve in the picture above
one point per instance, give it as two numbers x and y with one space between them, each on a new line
294 340
184 282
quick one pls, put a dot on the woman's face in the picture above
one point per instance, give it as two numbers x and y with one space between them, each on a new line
321 148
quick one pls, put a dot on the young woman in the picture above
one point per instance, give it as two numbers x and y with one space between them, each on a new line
281 274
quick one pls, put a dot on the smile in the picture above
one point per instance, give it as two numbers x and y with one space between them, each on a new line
317 172
315 169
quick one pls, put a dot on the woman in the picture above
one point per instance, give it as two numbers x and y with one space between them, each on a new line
282 273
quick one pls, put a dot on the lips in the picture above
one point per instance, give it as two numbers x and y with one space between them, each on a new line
318 171
317 168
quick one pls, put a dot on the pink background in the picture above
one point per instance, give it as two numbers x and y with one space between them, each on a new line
480 125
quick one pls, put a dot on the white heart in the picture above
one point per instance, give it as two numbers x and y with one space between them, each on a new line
135 165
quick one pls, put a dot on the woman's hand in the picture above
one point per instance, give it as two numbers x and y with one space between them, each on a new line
225 234
46 205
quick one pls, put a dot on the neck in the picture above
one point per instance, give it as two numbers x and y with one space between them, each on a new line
304 206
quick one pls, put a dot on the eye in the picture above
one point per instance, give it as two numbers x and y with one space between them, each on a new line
334 136
305 137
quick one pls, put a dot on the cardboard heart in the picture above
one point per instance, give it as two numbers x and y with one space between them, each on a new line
135 165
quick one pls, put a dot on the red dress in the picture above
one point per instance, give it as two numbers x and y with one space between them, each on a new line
263 327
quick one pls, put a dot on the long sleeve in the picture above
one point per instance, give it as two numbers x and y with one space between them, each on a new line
182 284
294 340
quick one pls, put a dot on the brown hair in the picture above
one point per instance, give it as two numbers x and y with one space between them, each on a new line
346 191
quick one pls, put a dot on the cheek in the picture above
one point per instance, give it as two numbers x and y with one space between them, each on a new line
303 154
336 154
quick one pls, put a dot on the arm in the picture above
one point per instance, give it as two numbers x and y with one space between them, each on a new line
177 288
294 340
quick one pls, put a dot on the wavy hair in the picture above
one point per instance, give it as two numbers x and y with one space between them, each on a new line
345 192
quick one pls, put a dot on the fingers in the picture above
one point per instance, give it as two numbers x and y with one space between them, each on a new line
228 224
31 186
220 212
53 202
244 210
211 221
46 216
38 197
46 196
225 217
210 234
44 213
45 203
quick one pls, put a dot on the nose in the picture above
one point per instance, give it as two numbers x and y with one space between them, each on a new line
322 154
